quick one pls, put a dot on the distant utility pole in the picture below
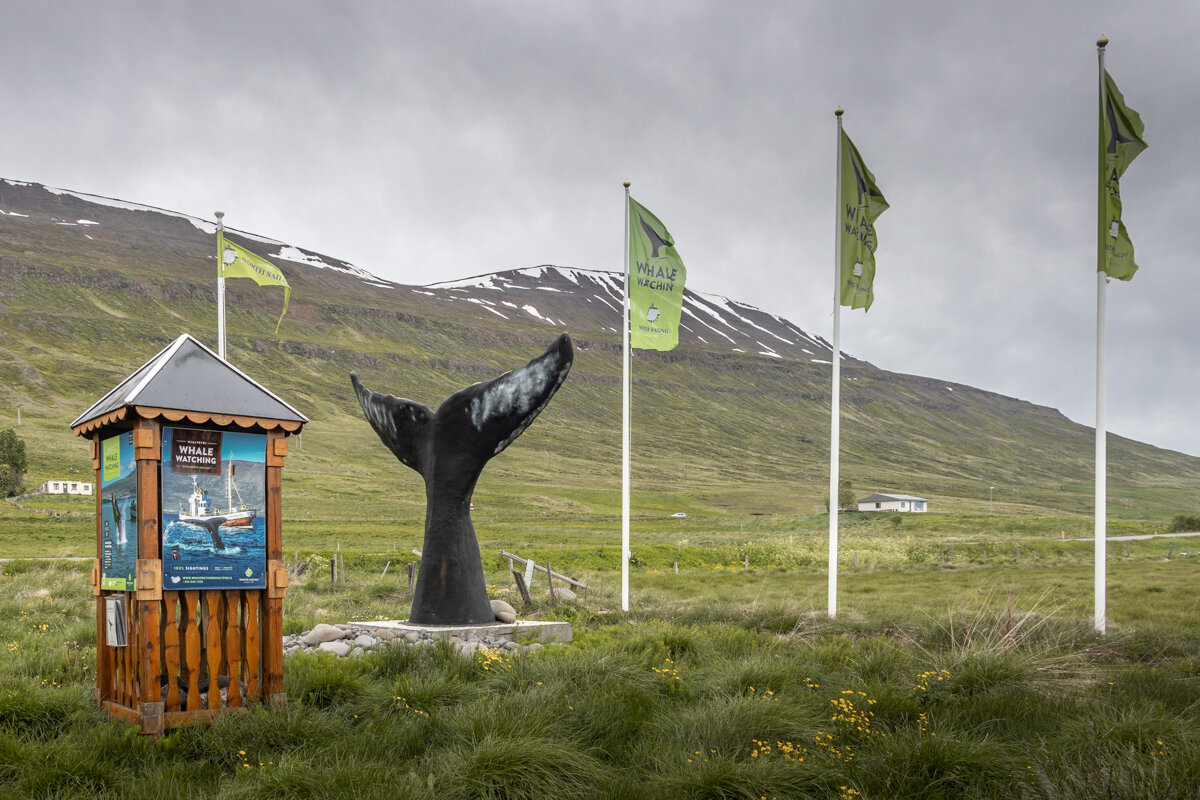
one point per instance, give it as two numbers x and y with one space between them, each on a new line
19 413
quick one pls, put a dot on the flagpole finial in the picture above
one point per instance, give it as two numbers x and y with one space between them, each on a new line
1102 41
837 112
626 184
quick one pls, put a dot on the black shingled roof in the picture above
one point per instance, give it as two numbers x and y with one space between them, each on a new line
187 376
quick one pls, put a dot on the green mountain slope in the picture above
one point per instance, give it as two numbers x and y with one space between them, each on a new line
732 423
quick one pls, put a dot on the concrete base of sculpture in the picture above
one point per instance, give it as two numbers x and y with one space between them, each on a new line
535 630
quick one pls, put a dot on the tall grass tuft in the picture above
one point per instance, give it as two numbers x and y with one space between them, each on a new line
525 766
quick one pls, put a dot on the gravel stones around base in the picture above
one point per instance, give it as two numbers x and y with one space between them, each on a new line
352 641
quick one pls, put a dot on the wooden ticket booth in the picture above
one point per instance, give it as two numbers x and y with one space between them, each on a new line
189 575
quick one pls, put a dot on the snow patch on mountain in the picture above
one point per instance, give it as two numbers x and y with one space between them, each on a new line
290 253
705 316
285 251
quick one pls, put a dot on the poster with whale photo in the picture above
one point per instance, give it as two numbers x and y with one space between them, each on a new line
118 514
213 509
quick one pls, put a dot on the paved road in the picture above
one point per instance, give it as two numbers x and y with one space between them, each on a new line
1138 538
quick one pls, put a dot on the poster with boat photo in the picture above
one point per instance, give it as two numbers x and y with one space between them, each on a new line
214 486
118 513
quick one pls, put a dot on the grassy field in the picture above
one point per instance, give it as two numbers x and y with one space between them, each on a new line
961 664
978 679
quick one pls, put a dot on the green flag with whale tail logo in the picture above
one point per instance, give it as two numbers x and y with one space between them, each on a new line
656 276
238 262
1120 143
861 203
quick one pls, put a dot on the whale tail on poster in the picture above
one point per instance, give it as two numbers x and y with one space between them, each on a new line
213 525
118 521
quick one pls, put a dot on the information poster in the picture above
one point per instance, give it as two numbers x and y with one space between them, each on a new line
118 513
214 488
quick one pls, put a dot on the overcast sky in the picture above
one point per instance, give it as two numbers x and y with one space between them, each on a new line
437 140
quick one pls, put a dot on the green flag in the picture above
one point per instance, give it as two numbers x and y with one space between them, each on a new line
861 203
656 276
238 262
1120 143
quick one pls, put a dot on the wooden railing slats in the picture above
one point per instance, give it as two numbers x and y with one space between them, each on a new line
171 621
192 659
212 614
233 646
253 655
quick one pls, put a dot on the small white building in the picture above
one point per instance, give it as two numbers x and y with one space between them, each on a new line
66 487
893 502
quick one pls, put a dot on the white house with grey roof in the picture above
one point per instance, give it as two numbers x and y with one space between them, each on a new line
893 502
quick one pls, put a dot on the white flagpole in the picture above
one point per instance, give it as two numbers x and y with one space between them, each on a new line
1101 381
220 284
626 380
835 432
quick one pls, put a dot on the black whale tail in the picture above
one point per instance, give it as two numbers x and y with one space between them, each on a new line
450 449
481 420
213 526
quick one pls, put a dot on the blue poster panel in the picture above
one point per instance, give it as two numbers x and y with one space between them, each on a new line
214 489
118 513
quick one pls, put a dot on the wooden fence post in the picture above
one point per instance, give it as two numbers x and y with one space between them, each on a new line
522 587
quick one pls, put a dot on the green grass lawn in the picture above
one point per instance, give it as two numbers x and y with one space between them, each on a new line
980 679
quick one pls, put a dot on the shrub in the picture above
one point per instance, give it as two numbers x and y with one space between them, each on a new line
12 463
1184 523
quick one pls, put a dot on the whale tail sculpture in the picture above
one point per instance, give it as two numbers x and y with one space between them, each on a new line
449 449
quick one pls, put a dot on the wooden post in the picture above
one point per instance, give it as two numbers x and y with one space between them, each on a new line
550 583
272 623
521 587
412 574
147 452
